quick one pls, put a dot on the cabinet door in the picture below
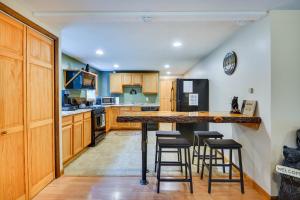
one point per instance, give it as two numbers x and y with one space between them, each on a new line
12 98
114 114
107 119
116 83
137 79
77 137
87 131
67 140
40 106
126 79
150 83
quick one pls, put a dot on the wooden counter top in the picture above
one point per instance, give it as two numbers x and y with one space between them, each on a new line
187 117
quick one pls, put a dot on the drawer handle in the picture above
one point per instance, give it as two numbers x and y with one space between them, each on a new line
3 132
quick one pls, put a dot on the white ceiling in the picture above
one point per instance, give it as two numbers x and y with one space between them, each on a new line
116 27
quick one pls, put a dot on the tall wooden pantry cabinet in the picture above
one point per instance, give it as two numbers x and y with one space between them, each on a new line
26 110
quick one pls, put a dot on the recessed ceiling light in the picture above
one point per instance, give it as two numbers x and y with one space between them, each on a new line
116 66
177 44
168 73
99 52
167 66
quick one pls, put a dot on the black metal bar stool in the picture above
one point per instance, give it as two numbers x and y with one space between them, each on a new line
223 144
199 136
179 143
167 134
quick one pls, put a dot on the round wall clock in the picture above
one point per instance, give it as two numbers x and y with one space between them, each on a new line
230 63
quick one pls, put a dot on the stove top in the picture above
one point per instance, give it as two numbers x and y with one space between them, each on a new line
98 108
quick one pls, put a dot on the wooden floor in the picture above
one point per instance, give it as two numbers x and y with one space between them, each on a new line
128 188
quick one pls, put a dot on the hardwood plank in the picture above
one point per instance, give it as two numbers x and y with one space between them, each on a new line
129 188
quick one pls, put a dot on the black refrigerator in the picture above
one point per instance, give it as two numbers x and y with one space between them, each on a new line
191 95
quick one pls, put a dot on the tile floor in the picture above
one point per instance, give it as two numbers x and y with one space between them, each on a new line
119 154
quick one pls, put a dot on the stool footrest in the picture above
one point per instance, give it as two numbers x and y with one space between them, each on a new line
174 180
168 151
169 163
225 180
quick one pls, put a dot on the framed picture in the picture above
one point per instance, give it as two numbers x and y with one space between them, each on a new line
248 107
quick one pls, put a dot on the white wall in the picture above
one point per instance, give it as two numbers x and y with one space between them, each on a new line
252 45
285 95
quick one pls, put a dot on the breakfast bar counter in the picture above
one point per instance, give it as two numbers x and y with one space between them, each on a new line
181 117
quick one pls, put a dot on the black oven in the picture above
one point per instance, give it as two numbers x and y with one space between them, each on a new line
98 125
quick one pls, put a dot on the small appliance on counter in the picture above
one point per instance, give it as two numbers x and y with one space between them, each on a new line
106 100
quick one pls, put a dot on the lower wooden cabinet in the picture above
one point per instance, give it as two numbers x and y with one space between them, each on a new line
67 132
77 137
76 134
87 130
114 112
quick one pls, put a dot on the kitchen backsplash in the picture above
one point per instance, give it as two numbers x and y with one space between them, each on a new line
139 97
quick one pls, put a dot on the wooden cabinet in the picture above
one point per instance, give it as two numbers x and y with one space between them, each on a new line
67 137
118 110
150 83
40 107
26 110
107 119
126 79
116 83
76 134
12 110
87 132
137 79
115 111
133 124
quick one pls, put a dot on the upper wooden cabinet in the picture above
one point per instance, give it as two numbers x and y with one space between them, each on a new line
148 80
116 83
126 79
150 83
137 79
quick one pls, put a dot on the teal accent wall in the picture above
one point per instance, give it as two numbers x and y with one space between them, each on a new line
69 62
126 97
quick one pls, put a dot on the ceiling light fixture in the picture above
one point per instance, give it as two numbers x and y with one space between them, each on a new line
167 66
99 52
177 44
168 73
116 66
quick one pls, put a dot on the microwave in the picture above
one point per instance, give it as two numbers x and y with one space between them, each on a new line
106 100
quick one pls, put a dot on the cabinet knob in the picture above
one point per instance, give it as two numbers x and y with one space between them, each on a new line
3 132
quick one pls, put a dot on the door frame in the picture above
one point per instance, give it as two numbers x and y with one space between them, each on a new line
7 10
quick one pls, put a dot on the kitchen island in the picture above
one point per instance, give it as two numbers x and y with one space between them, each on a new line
179 117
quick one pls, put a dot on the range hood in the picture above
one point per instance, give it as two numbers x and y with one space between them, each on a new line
79 79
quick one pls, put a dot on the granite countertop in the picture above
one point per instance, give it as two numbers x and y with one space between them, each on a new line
74 112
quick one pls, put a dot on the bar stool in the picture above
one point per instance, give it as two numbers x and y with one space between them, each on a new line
199 136
167 134
223 144
180 143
